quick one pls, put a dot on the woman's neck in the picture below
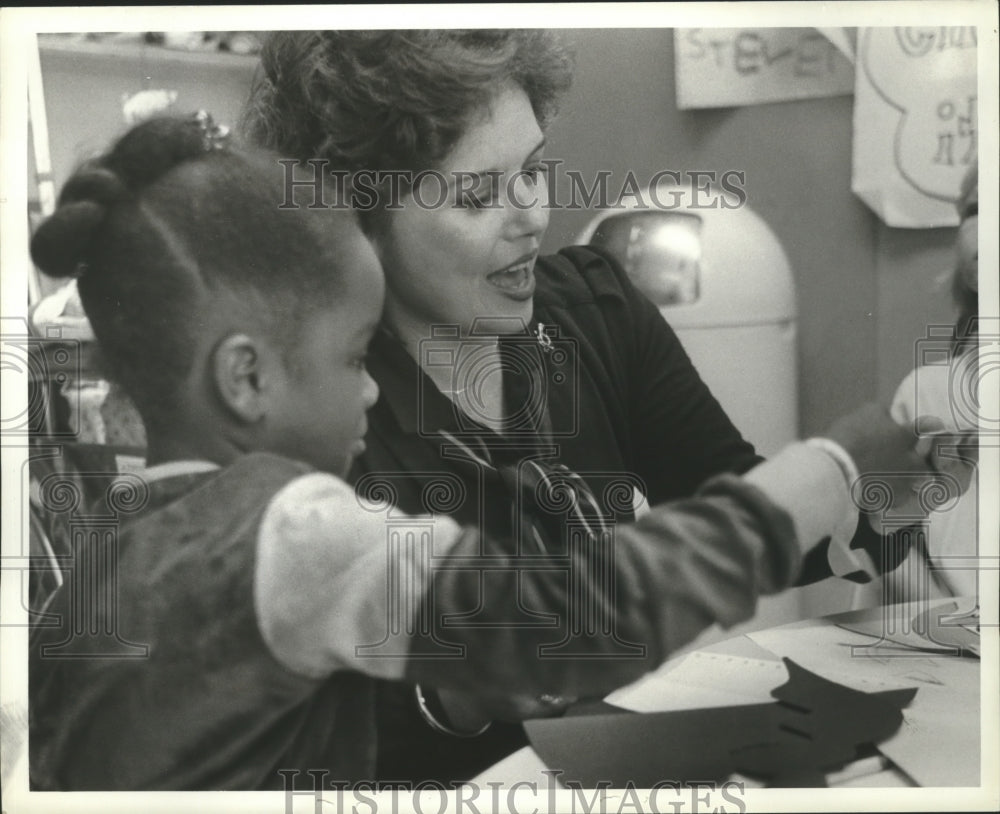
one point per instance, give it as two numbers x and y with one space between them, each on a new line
467 369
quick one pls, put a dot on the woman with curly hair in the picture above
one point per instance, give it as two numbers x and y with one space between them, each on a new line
545 392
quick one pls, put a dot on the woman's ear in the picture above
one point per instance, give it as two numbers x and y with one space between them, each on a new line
236 369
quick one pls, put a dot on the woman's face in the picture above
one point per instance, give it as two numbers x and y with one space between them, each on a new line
474 255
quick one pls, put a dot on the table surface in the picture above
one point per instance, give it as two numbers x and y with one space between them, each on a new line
942 719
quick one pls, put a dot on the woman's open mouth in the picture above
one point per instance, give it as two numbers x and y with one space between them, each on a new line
517 280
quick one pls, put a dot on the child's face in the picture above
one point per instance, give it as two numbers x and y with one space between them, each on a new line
967 247
317 411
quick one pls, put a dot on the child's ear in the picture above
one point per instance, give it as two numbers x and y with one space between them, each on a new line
236 368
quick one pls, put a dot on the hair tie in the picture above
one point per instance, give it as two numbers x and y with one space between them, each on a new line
213 136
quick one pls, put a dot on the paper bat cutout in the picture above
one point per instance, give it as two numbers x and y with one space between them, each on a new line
815 726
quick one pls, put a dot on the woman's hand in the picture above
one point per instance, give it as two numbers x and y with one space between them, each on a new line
468 713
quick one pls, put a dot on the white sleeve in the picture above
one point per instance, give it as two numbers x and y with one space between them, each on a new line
809 483
810 486
322 577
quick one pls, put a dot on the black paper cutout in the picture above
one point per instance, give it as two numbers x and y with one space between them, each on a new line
814 727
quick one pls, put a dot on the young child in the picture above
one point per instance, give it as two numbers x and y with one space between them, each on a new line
947 566
251 598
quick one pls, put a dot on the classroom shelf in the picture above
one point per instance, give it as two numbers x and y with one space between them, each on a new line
117 50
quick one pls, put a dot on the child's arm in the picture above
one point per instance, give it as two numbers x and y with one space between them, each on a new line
330 585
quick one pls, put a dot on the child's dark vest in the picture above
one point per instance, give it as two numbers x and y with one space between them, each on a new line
157 676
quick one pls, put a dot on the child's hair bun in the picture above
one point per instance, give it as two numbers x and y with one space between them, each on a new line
151 149
60 245
93 183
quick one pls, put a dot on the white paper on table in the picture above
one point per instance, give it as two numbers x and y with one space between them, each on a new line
850 658
902 625
938 743
703 680
888 779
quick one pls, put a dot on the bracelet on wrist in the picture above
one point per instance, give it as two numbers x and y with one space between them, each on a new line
433 713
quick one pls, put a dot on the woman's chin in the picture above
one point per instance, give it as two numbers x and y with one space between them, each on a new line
509 318
506 314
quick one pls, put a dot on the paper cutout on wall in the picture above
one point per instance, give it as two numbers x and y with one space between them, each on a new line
814 727
723 67
915 122
845 39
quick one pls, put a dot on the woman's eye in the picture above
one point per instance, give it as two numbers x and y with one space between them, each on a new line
480 200
533 171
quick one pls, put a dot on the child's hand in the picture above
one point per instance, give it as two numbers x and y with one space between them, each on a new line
952 453
904 476
876 443
930 476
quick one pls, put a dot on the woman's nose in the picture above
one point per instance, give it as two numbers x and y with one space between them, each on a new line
370 392
527 210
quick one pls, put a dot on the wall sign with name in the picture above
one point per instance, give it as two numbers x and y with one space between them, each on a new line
724 67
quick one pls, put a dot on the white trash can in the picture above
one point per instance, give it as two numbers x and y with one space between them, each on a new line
723 282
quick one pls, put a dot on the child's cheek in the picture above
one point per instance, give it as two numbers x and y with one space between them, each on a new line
968 252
